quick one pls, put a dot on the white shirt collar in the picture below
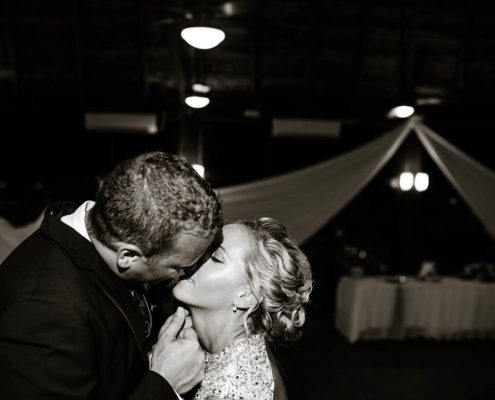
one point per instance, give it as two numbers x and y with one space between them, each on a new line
76 220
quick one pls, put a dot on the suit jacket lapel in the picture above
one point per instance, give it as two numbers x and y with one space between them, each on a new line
119 293
86 257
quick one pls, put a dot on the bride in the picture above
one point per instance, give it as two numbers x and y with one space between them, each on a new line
248 295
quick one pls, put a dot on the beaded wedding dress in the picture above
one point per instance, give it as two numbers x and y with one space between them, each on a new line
240 371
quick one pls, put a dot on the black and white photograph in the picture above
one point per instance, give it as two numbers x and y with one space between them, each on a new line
247 200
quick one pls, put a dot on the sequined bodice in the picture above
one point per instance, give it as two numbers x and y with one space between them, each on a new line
240 371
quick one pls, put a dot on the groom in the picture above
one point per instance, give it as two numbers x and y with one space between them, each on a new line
73 324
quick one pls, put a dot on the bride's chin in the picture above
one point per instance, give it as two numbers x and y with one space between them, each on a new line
180 289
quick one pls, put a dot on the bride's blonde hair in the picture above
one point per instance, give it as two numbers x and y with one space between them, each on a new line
281 281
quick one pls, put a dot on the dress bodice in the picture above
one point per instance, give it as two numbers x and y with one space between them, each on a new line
240 371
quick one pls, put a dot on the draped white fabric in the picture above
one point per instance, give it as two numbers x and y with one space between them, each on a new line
306 199
474 182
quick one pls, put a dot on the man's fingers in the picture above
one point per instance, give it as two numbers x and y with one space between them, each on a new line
170 318
189 334
171 330
188 323
165 325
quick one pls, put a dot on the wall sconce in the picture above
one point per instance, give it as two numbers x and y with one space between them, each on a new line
407 180
421 181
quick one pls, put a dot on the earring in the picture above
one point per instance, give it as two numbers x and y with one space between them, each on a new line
234 308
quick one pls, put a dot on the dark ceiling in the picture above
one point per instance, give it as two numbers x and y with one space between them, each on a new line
344 60
349 60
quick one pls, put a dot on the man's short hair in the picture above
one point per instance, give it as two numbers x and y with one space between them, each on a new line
149 199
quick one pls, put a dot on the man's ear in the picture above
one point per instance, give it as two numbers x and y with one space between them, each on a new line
128 254
245 299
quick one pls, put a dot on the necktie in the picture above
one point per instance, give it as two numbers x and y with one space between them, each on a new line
144 308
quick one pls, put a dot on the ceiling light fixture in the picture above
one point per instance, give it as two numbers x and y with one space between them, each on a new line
429 101
197 101
203 37
402 111
200 88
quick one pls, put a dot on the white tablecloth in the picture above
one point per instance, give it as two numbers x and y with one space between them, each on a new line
372 308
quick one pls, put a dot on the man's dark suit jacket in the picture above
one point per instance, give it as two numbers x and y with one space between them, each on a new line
69 328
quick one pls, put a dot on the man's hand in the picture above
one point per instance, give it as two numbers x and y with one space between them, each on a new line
177 355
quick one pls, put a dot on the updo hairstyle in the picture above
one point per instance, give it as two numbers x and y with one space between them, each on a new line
281 281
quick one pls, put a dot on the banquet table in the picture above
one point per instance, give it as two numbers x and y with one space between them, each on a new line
376 308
